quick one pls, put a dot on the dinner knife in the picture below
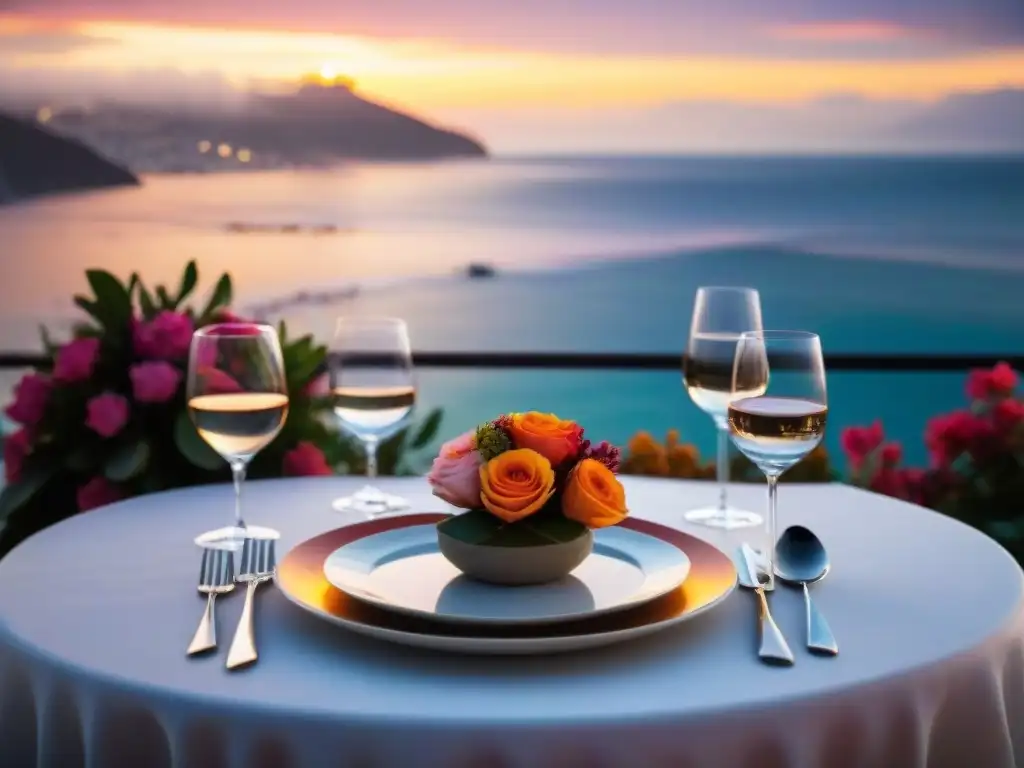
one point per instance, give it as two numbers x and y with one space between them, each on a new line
773 646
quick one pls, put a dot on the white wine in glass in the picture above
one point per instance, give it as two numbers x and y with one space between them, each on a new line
238 402
373 391
779 427
720 316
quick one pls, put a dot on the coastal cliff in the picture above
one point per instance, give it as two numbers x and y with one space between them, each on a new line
34 161
315 126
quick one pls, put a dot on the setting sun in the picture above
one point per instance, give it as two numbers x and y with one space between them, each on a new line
328 72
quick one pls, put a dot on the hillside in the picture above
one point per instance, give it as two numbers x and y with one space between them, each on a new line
317 125
34 161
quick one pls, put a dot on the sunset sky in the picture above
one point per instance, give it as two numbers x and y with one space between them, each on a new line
534 74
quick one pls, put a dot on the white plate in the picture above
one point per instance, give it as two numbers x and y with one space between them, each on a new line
300 577
402 570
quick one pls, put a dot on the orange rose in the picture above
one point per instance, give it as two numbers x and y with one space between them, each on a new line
594 496
553 438
515 484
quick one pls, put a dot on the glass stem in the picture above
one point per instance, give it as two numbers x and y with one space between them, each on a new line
371 460
723 470
238 477
770 527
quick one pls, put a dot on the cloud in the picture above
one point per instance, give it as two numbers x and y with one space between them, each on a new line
732 27
844 32
979 122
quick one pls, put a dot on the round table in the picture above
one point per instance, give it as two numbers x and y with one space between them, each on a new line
97 611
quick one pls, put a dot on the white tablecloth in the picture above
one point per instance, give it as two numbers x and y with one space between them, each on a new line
97 611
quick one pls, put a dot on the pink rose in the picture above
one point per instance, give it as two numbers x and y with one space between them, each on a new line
106 414
233 329
305 460
455 473
318 387
96 493
76 359
215 382
31 395
17 447
155 382
166 337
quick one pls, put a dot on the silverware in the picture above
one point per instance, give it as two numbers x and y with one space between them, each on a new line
773 648
216 577
800 559
257 567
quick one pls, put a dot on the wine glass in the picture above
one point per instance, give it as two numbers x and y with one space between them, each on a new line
238 400
780 426
373 391
720 315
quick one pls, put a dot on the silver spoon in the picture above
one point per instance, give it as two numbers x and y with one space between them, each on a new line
800 559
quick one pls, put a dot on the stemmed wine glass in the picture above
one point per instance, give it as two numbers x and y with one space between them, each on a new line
780 426
238 401
373 390
720 315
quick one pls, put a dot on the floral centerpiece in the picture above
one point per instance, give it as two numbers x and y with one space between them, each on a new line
103 417
976 468
534 489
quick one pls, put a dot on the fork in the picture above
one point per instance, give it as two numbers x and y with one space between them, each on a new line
216 577
257 567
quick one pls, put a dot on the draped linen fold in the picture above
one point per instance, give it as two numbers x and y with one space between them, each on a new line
96 612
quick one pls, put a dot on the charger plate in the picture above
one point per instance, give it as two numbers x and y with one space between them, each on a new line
403 570
301 578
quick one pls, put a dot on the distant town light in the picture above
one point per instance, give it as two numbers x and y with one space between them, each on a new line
224 150
44 115
244 155
204 146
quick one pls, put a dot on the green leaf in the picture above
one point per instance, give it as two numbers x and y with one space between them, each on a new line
48 346
188 281
428 430
113 303
192 446
166 302
478 526
16 495
473 527
220 298
127 462
146 302
90 307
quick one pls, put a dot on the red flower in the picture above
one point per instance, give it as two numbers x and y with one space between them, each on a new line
985 385
305 460
166 337
97 492
31 395
1007 415
604 452
891 454
155 382
860 442
76 359
890 482
106 414
949 435
17 447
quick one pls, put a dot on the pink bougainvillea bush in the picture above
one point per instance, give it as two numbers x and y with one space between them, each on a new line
104 418
976 467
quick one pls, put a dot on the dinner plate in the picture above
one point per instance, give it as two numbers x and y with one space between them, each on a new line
301 578
403 570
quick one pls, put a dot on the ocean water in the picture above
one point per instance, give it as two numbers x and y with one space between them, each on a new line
593 254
